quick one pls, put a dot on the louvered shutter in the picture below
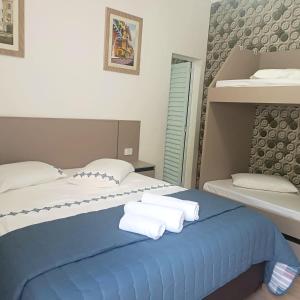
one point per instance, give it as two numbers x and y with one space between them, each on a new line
176 124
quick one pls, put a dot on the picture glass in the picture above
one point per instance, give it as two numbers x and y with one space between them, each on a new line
9 27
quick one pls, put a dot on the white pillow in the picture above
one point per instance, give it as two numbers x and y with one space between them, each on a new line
71 172
277 74
264 182
22 174
103 173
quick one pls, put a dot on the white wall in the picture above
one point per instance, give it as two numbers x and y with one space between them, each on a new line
62 74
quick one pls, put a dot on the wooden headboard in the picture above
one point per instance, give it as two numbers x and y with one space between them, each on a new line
66 143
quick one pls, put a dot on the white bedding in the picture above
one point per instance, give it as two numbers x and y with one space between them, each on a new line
284 204
257 83
60 199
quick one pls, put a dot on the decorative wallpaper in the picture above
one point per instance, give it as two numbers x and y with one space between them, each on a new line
275 143
259 25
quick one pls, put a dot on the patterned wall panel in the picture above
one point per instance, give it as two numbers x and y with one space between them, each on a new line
275 143
259 25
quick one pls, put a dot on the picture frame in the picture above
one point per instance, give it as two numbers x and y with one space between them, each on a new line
12 27
123 41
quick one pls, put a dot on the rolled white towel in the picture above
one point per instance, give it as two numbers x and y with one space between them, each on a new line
172 218
190 208
152 228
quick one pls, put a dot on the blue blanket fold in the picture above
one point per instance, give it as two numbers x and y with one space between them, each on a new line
88 257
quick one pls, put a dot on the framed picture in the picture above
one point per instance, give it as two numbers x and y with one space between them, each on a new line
12 27
123 39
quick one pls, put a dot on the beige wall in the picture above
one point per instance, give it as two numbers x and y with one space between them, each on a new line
62 74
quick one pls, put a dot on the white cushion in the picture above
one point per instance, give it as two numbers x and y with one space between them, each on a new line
277 74
71 172
23 174
264 182
103 173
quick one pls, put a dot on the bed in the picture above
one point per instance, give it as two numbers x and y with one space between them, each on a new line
59 241
283 204
62 256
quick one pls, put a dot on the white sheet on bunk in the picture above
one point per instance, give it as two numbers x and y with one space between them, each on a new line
257 83
283 204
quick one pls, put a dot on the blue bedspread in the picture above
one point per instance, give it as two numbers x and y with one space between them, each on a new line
88 257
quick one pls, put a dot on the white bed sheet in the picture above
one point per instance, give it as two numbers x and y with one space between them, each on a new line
283 204
60 199
257 83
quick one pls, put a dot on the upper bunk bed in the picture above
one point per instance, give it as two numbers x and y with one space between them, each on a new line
241 65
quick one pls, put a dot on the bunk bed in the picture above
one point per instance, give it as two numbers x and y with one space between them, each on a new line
242 64
232 101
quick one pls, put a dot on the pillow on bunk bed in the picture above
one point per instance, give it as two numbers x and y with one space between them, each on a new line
277 74
271 183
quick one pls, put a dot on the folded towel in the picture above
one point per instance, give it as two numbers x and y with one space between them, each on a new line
172 218
152 228
190 208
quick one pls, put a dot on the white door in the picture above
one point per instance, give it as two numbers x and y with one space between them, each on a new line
177 121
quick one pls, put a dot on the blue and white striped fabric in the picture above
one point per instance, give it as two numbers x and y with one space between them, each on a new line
282 278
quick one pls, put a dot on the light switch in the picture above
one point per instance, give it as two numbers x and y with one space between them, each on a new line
128 151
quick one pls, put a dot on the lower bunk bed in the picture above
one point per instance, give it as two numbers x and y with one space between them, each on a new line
80 253
282 208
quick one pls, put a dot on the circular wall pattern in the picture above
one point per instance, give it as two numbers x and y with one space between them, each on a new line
280 127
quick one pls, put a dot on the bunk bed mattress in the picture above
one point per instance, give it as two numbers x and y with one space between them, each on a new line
283 204
257 83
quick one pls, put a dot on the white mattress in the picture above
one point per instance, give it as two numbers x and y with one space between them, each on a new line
60 199
257 83
283 204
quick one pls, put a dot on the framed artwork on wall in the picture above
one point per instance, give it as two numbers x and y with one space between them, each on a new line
123 40
12 27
